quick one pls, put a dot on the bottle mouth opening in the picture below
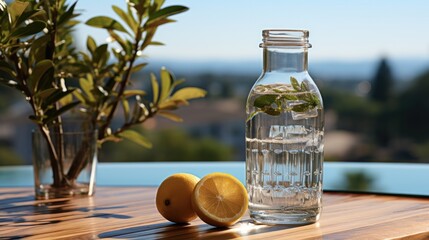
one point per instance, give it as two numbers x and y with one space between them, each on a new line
285 38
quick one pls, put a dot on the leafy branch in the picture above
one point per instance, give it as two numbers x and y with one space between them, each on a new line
31 60
297 99
38 58
132 34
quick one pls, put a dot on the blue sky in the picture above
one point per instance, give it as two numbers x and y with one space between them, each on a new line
339 30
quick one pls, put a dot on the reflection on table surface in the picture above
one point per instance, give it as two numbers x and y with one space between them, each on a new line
130 212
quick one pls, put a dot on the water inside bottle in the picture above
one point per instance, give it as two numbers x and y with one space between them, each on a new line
284 158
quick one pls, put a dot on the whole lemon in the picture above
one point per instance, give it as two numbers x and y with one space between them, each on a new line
174 196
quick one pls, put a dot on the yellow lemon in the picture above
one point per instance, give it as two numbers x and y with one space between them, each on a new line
173 198
220 199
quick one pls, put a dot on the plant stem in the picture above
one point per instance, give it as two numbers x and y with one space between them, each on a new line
50 54
57 174
80 159
60 144
130 124
125 80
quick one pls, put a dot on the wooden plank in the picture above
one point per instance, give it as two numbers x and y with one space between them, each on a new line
130 212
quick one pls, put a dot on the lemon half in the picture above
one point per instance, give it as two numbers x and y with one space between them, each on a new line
220 199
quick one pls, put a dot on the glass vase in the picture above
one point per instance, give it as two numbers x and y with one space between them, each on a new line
64 161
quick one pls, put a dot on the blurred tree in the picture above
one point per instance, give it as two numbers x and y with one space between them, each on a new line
382 93
227 90
413 110
8 157
358 181
382 83
354 113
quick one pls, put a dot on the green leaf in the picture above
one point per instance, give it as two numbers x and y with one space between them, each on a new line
136 138
139 67
155 88
264 100
109 138
71 23
159 3
106 23
6 71
38 48
178 82
304 86
78 94
140 7
289 97
137 110
166 83
110 83
128 19
188 93
46 93
133 92
86 58
295 84
77 68
301 107
126 108
271 111
157 23
253 114
53 113
121 41
66 99
56 96
38 15
30 29
35 15
87 87
315 100
168 105
43 70
67 15
35 119
171 116
91 45
16 9
100 54
166 12
154 43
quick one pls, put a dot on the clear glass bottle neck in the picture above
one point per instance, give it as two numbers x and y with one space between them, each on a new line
278 59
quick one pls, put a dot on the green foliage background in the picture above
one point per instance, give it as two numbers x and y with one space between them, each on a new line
168 145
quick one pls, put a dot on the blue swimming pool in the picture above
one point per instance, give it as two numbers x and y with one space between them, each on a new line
390 178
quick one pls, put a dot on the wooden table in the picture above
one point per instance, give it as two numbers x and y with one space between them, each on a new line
129 212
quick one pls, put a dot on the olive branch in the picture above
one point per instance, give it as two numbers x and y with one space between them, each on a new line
38 59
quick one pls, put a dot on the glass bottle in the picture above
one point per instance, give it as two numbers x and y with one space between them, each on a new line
284 134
